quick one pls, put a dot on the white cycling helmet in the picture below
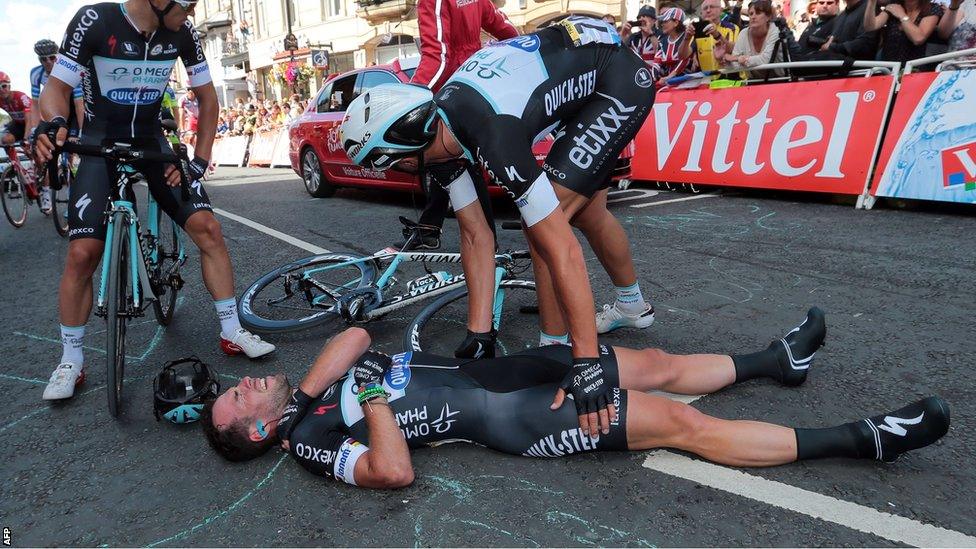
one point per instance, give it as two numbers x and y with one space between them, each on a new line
387 124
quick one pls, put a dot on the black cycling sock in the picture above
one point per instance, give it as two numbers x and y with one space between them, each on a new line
850 440
761 364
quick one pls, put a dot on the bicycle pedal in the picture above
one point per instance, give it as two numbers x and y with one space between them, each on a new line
176 282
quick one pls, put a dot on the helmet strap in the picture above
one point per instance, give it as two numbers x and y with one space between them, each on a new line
161 13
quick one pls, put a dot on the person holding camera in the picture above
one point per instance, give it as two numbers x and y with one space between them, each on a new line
647 40
819 34
712 34
905 25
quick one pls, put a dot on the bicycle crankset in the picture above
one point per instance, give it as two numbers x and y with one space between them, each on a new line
354 305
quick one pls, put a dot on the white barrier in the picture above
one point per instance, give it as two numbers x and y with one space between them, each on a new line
230 151
279 156
262 148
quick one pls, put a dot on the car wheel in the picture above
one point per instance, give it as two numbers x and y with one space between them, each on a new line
315 182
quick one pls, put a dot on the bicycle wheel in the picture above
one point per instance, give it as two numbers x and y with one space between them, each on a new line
442 326
281 301
169 251
13 193
59 199
117 313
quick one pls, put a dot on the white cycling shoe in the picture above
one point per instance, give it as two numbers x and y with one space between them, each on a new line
611 318
244 342
63 381
45 200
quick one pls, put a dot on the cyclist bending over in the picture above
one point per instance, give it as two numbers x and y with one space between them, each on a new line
415 399
104 45
572 77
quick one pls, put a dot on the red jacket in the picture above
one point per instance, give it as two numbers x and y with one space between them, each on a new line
450 31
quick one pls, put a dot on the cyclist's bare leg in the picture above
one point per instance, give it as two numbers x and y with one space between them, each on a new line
478 262
649 369
218 275
658 422
550 315
608 240
75 291
558 247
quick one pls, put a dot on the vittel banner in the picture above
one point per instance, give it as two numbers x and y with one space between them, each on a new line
806 136
929 151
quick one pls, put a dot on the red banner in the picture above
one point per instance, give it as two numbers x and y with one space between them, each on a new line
805 136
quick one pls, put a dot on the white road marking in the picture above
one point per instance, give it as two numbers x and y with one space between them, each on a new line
307 246
229 181
660 202
632 194
778 494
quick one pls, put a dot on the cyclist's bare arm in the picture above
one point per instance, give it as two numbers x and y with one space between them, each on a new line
387 462
55 101
207 120
80 111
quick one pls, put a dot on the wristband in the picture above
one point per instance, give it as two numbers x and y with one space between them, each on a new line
370 392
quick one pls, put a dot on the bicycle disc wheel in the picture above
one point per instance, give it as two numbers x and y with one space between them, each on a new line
281 301
118 299
166 272
442 325
13 193
59 200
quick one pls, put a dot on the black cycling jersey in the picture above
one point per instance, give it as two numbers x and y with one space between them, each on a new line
502 403
124 76
573 78
122 73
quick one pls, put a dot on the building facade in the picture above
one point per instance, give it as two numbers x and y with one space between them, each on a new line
248 36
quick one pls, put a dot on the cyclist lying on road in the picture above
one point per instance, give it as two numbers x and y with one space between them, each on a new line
503 403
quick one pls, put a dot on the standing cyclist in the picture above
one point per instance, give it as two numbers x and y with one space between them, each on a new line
47 53
449 33
124 54
573 77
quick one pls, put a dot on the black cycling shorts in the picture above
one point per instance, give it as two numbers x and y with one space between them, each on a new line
91 189
588 144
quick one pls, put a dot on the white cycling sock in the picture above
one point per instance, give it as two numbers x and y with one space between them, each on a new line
546 339
227 313
630 300
71 341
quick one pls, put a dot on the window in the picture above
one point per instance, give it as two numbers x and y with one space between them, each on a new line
342 92
322 102
372 79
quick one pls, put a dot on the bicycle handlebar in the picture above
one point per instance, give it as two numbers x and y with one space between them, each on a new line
124 153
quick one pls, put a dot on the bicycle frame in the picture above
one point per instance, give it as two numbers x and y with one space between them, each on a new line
416 294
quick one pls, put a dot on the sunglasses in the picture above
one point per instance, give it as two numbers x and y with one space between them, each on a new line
47 58
5 86
827 3
186 4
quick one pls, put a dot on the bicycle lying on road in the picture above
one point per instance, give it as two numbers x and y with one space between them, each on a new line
313 290
139 267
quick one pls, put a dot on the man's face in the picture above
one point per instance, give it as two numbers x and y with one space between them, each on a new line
827 7
711 10
252 399
190 95
4 89
47 62
177 16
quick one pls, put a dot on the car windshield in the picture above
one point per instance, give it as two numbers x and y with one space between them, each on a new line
409 72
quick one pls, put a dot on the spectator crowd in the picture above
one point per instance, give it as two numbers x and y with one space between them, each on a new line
245 117
727 35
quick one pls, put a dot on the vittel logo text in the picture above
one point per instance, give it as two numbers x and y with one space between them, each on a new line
793 133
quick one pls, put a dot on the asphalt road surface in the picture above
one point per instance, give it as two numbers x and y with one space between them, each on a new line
727 272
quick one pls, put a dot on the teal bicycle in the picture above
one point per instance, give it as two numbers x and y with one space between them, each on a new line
139 267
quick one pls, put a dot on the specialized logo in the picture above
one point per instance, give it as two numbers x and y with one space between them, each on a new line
643 78
512 174
568 442
312 453
112 42
197 187
577 87
528 43
959 167
82 204
398 377
893 424
321 410
591 142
